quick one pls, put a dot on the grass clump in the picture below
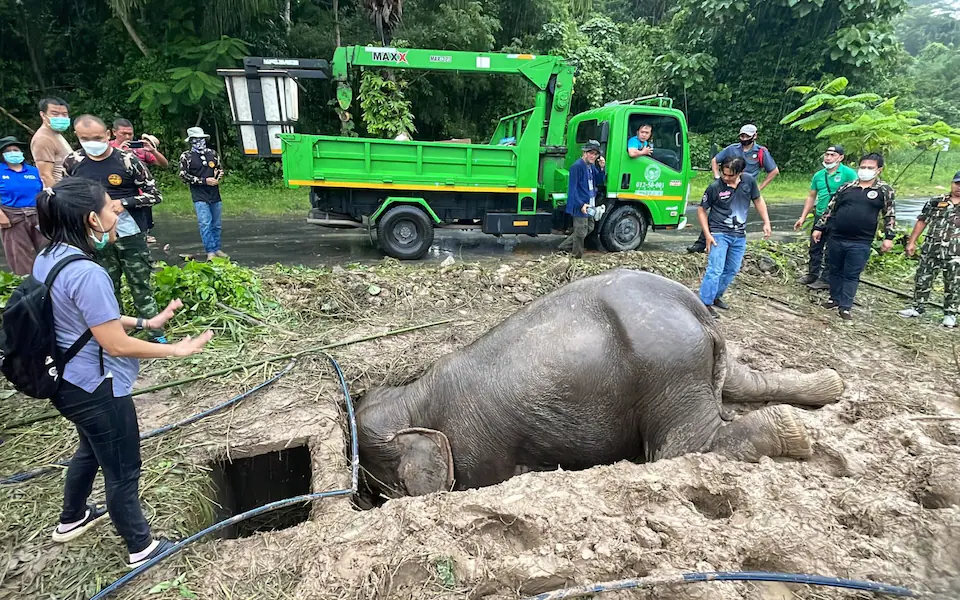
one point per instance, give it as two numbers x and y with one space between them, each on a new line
8 283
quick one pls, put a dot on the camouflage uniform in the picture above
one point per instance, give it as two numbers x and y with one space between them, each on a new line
940 252
128 182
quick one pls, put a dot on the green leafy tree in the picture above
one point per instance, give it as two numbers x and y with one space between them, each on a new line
935 79
193 81
934 22
386 112
863 122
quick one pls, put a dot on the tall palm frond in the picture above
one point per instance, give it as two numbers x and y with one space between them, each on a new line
386 15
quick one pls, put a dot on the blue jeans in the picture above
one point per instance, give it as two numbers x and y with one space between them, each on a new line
723 264
208 216
847 260
109 440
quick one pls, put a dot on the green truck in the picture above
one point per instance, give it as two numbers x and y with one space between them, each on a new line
515 184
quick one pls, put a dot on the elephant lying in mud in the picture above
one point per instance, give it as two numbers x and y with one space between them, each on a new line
622 365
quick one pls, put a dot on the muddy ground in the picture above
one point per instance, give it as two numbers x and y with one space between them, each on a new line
878 500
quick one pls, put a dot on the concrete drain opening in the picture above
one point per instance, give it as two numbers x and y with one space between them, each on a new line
246 483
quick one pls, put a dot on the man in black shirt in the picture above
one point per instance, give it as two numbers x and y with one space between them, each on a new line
852 218
132 189
728 199
200 168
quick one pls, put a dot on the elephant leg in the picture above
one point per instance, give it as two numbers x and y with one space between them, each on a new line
770 431
743 384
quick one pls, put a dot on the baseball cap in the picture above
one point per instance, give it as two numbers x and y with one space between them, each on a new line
748 129
956 178
837 148
591 146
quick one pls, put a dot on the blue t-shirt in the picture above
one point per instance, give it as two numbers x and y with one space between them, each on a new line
19 189
82 298
634 143
755 162
728 206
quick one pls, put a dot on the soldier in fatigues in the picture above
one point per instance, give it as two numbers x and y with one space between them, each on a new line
132 189
940 252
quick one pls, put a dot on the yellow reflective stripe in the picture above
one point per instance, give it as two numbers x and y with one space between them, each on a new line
411 186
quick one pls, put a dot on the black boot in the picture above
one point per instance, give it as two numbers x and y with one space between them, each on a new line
698 246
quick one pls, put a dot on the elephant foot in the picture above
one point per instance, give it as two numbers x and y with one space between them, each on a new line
830 387
772 431
789 386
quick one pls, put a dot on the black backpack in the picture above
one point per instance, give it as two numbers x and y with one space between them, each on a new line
29 356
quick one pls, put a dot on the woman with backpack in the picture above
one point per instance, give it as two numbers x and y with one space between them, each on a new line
97 379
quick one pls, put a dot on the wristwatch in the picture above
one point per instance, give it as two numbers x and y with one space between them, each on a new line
139 325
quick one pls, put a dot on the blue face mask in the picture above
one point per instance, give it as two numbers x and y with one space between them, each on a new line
104 240
14 158
59 123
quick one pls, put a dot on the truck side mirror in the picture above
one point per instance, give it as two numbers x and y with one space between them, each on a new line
604 136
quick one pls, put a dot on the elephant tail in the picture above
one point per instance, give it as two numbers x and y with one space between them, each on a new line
719 348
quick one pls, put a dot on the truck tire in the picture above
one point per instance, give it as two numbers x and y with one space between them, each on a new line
405 232
624 229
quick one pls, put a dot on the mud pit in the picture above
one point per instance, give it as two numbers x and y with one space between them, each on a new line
878 501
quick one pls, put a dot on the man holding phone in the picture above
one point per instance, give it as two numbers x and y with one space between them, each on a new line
146 150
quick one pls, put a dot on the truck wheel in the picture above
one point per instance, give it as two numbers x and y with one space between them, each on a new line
624 229
405 232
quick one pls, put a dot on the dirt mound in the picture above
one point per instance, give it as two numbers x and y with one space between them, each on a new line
877 501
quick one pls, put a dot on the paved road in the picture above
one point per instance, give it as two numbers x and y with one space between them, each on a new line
261 241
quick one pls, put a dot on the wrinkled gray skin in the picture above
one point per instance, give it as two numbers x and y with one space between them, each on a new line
623 365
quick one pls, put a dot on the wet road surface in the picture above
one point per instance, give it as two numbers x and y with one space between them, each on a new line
292 241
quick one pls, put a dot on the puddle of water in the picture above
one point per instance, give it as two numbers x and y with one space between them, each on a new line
260 241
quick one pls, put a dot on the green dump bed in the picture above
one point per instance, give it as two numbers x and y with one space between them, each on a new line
363 163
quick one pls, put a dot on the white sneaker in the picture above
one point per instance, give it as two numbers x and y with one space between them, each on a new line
909 313
950 321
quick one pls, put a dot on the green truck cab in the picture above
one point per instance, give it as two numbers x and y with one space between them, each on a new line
514 184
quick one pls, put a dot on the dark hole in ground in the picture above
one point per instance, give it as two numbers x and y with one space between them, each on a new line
250 482
710 505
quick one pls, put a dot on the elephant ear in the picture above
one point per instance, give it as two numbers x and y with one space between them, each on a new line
426 461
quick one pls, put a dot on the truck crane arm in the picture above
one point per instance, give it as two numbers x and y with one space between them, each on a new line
551 75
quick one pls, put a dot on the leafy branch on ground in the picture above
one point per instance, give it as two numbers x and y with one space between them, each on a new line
8 283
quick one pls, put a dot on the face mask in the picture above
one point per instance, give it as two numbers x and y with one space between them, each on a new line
94 148
199 144
14 158
59 123
829 165
867 174
104 238
746 142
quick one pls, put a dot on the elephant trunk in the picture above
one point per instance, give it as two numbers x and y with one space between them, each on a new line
743 384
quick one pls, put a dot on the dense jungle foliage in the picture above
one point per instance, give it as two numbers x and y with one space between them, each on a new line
724 61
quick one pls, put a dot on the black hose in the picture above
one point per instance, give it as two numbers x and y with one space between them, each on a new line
28 475
656 581
354 482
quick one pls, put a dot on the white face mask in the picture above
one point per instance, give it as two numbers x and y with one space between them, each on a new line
867 174
829 165
94 148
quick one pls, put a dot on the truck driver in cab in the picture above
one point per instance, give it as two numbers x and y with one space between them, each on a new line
640 144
